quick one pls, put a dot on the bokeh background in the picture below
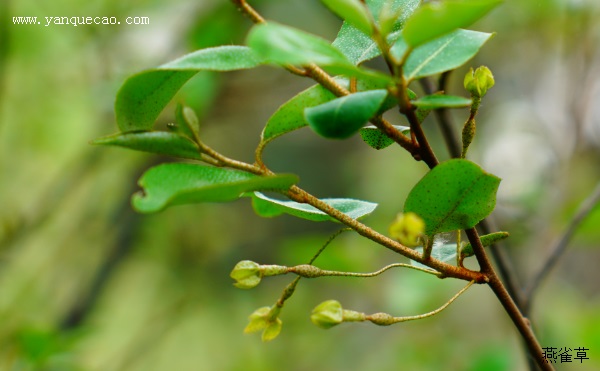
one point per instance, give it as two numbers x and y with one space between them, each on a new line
88 284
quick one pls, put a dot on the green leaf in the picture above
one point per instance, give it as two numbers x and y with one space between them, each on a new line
442 54
437 19
290 116
270 207
187 121
487 240
144 95
442 252
180 183
456 194
342 117
357 46
161 142
436 101
353 11
377 139
290 46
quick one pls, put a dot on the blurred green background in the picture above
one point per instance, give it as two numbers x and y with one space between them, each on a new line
87 284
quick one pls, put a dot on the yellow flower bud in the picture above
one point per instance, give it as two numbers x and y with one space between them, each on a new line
478 82
408 229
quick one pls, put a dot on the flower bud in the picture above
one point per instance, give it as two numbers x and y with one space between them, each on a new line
266 319
272 330
479 82
327 314
408 228
247 274
258 320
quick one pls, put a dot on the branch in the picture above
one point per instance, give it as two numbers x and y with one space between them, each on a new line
319 75
503 263
299 195
442 116
324 79
383 319
420 150
520 322
583 211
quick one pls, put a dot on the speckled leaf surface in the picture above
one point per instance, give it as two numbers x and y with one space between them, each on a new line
456 194
377 139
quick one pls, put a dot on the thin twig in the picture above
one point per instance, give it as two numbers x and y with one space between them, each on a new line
329 240
299 195
425 315
318 272
442 116
559 249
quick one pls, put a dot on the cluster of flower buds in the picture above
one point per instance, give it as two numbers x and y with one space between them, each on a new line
478 82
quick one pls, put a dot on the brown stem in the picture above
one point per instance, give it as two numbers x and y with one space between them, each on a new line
299 195
249 11
443 119
520 322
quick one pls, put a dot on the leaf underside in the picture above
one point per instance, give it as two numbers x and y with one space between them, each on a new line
270 207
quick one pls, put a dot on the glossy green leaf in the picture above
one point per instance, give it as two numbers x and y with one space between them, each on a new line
433 20
342 117
161 142
144 95
270 207
456 194
290 46
181 183
436 101
377 139
357 46
353 12
487 240
290 116
442 54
